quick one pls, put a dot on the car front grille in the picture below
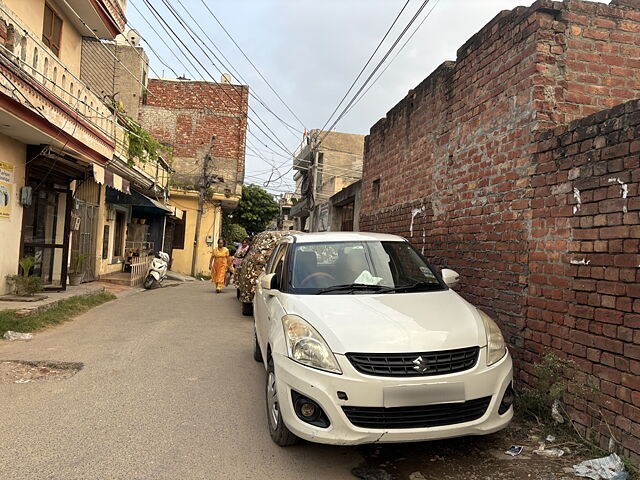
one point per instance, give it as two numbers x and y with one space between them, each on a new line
408 365
417 417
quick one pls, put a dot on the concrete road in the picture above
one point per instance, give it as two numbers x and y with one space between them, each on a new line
169 390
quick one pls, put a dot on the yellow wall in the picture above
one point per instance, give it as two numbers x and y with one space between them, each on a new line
211 220
13 153
31 13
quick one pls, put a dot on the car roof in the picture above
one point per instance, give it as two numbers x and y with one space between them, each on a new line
316 237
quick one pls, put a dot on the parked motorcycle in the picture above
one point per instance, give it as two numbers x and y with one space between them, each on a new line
157 270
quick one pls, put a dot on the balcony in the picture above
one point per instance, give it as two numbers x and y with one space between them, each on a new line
33 76
105 17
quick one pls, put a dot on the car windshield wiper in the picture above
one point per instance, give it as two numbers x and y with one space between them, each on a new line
351 287
418 286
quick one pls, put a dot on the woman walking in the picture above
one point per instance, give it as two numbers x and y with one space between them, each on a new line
219 265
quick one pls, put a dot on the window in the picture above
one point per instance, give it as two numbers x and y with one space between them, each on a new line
375 189
52 30
118 239
178 233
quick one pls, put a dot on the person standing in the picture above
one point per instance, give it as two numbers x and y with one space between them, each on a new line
241 253
219 264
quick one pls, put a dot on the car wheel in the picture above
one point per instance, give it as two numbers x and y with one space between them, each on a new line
247 309
279 432
257 354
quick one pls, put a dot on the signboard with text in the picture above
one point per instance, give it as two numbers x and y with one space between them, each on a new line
6 189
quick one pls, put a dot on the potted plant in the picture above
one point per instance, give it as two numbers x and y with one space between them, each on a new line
23 284
76 270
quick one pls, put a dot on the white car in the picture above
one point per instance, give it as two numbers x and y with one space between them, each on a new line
364 342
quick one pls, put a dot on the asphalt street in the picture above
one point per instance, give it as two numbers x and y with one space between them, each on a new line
169 390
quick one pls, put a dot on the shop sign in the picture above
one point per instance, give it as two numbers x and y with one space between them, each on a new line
6 189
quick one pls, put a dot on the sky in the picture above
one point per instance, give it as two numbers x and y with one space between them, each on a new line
309 53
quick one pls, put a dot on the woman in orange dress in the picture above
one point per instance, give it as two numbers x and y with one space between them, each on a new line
219 265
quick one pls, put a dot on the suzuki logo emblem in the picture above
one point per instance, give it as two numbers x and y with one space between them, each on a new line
421 365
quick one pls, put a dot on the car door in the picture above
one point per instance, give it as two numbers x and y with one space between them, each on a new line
268 310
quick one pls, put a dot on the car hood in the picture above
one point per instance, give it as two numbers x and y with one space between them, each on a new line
391 323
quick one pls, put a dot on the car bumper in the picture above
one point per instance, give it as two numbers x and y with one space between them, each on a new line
368 391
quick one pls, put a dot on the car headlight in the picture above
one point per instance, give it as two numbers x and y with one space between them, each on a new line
496 347
305 345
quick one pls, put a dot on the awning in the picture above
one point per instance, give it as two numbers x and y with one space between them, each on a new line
144 201
110 179
139 201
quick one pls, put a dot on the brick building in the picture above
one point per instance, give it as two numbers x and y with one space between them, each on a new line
486 189
185 115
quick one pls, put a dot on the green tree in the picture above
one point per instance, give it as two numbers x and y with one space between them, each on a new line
255 210
232 232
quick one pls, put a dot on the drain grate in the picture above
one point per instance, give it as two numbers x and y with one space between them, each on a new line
22 371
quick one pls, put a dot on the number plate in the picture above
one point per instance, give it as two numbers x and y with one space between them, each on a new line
416 395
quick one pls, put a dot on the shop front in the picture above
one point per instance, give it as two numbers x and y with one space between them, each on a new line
47 201
133 234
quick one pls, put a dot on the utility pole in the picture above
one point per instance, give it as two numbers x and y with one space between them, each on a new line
205 183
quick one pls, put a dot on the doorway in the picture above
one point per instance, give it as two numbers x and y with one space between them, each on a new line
46 234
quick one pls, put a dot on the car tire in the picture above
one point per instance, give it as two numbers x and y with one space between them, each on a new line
257 354
247 309
279 432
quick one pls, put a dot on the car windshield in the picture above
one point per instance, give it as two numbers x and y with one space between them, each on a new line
359 267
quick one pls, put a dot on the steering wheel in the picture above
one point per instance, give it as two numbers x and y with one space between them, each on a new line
306 279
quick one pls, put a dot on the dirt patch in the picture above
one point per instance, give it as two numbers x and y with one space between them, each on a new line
472 458
17 371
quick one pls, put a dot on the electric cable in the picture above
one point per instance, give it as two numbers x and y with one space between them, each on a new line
366 64
394 57
386 55
240 77
251 63
191 34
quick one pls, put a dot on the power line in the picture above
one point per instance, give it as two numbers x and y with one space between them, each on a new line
175 37
394 57
254 95
252 64
191 34
187 69
424 4
366 64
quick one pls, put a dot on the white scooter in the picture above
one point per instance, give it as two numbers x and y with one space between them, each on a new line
157 270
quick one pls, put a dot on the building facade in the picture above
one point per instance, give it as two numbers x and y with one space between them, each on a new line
196 120
325 163
55 133
488 168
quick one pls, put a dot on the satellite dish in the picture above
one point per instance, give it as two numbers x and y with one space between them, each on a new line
130 37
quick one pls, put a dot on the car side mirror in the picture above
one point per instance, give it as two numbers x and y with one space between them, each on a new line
268 282
450 277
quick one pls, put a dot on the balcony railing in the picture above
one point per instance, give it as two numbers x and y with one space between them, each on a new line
28 54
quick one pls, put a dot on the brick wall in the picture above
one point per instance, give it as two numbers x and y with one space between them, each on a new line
185 114
455 158
584 262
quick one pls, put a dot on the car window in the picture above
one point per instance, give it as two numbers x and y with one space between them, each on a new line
386 265
276 258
